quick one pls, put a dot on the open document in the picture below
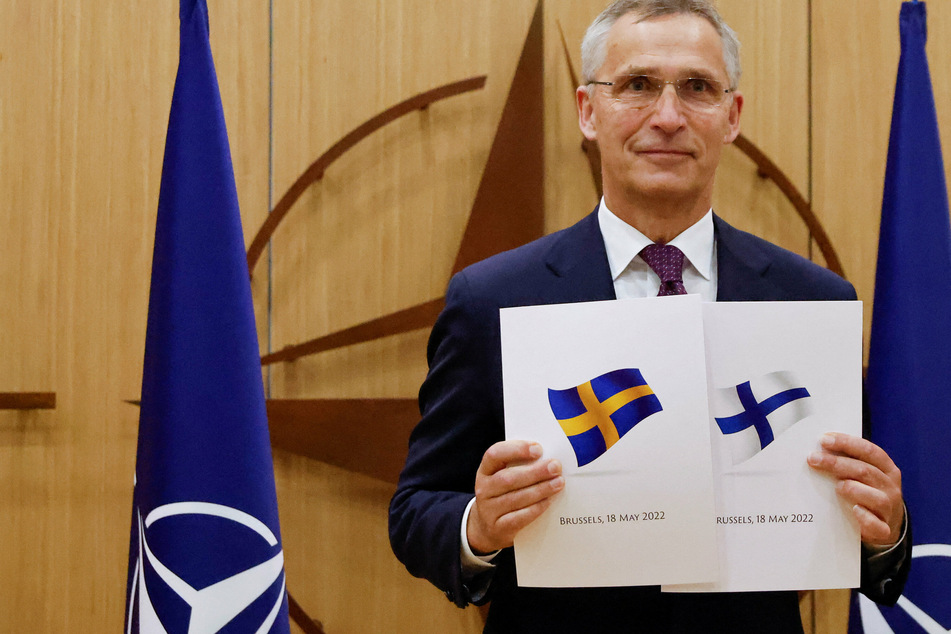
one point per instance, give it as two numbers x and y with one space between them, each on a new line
683 430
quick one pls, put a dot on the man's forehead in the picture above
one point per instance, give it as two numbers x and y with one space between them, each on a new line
686 41
637 17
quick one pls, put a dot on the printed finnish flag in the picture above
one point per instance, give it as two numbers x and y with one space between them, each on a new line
754 413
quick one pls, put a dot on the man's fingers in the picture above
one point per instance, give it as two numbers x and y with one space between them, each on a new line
874 500
494 521
855 458
515 478
868 479
514 521
861 450
516 499
488 536
873 529
844 467
508 452
513 487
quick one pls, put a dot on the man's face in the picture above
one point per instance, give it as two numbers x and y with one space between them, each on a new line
664 151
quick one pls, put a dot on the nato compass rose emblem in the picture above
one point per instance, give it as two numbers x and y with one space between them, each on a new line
201 567
924 605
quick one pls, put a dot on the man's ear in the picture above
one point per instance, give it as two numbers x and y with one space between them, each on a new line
586 117
734 118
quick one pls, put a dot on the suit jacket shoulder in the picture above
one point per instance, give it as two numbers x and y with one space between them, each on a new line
570 265
752 269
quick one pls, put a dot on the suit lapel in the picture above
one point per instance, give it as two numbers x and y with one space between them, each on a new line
580 263
741 266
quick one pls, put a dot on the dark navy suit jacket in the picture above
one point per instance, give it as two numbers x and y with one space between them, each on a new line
462 415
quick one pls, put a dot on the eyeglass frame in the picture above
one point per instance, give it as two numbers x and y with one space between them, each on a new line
676 83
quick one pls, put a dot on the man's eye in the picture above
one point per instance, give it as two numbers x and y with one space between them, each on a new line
698 85
639 84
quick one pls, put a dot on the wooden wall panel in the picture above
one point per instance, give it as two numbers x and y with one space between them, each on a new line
65 145
852 116
851 124
774 35
27 110
570 192
774 39
378 234
86 89
28 306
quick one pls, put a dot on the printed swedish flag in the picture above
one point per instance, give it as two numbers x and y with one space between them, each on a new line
596 414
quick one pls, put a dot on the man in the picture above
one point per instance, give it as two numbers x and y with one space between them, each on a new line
660 99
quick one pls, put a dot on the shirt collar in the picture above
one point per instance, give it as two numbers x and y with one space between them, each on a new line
623 242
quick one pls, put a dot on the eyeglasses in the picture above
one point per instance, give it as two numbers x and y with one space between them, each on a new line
641 91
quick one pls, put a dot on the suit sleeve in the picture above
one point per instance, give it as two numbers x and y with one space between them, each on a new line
461 416
884 574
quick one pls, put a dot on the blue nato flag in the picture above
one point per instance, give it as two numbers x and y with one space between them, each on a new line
205 548
909 374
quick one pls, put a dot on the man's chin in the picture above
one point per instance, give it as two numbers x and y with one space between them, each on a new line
664 186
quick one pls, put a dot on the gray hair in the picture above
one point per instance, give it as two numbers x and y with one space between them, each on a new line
593 46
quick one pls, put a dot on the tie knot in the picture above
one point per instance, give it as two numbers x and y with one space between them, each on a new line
668 263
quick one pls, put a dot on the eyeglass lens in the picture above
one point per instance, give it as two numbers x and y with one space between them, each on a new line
640 91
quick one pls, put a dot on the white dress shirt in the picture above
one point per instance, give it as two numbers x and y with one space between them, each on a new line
633 278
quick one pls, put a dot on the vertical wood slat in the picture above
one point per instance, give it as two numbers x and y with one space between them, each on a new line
774 35
378 233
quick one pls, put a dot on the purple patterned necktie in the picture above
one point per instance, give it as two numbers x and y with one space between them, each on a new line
668 263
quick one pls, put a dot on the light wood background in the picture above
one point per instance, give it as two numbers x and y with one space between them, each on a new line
84 95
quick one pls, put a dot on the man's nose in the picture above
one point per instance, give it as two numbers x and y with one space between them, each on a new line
668 110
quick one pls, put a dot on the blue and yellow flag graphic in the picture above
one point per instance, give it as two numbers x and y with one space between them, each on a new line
596 414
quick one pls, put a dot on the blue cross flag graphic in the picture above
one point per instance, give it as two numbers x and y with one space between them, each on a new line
754 413
205 549
909 364
597 414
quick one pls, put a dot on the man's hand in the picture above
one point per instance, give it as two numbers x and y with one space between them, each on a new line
513 487
867 479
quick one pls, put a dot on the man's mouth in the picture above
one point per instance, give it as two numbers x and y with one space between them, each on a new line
661 152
